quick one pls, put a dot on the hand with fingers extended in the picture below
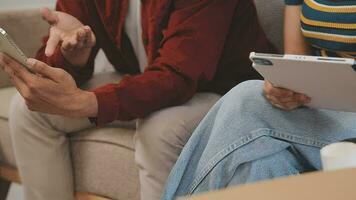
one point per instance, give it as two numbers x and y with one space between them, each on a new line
283 98
76 39
49 90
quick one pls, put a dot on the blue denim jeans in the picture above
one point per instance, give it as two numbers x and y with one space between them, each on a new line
245 139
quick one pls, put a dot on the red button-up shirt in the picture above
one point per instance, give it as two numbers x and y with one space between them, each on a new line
192 45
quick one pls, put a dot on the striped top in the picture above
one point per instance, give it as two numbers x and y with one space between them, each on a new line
329 25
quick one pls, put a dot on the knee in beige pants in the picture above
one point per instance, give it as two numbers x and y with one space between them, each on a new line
42 152
42 149
160 138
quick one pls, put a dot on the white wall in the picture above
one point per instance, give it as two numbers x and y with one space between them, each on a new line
23 4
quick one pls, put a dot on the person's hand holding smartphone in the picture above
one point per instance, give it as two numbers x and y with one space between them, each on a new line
49 89
46 88
77 40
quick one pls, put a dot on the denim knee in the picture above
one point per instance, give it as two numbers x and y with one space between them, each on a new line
246 92
247 95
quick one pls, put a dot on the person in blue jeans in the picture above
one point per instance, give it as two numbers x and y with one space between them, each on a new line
258 131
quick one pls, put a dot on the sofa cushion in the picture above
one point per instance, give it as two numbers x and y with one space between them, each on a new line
114 135
6 95
104 163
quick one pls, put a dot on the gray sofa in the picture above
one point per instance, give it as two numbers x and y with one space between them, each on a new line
103 159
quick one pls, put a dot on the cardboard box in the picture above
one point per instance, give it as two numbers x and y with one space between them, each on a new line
335 185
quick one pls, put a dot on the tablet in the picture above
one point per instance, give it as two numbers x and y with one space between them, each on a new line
329 82
8 46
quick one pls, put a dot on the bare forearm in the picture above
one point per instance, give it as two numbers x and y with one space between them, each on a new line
294 42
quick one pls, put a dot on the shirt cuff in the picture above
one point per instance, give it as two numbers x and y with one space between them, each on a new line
108 105
80 74
60 60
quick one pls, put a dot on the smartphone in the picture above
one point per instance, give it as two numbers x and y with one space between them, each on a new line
8 46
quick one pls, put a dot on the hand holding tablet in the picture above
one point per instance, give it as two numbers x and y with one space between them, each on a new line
284 99
329 82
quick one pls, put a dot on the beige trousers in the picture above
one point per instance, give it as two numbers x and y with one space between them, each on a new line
43 157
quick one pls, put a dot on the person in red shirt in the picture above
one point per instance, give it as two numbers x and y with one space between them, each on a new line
176 58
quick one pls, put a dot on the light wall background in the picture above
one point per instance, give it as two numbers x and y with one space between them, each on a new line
25 4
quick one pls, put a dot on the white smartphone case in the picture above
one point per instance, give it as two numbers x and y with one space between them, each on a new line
329 82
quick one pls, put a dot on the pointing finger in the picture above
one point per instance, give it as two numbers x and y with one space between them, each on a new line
52 42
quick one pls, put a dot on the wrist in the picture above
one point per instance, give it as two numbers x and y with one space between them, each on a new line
77 59
87 104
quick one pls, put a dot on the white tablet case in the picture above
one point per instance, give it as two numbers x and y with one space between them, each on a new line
329 82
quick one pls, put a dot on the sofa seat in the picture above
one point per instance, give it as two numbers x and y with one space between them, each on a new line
103 159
